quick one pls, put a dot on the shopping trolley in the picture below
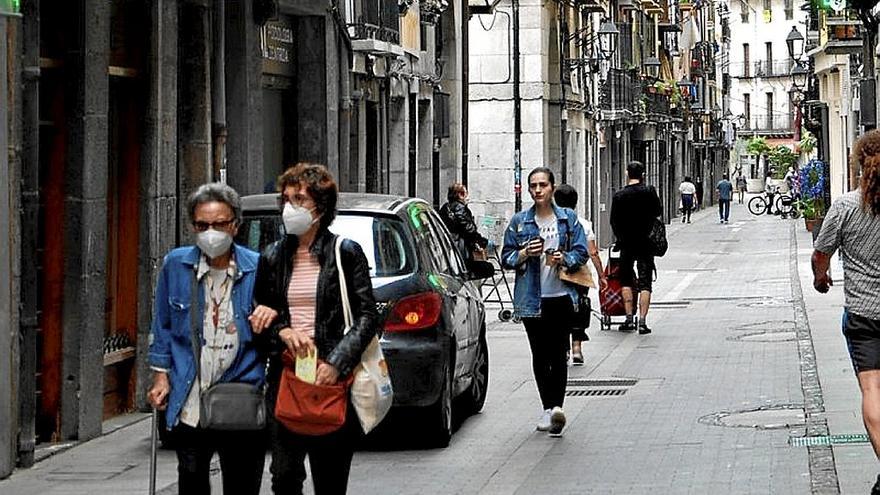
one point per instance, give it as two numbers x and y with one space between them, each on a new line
611 297
498 287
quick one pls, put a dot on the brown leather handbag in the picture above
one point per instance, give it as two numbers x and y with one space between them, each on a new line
309 409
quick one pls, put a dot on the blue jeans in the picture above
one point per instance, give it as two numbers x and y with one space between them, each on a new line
724 209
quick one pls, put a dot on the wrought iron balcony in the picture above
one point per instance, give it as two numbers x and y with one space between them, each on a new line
618 90
777 123
761 68
657 104
373 20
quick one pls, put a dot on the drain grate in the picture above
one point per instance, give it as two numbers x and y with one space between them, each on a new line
852 438
608 392
580 382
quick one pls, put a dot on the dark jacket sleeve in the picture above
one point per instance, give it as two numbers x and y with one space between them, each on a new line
460 221
347 354
614 217
657 207
270 276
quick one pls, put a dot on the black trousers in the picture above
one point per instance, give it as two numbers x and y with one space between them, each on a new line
329 458
548 339
242 457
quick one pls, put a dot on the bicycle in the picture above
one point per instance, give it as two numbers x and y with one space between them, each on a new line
785 205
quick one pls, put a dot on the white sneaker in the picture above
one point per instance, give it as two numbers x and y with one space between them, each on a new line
557 422
544 422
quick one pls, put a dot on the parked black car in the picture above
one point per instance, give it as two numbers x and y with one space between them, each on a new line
434 322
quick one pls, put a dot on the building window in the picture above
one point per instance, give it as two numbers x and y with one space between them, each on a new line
768 11
747 109
768 70
747 72
769 111
744 11
789 10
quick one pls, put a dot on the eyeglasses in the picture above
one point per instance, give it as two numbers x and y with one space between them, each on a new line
221 225
295 201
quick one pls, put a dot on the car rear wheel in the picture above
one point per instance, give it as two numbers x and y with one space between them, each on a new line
440 413
476 393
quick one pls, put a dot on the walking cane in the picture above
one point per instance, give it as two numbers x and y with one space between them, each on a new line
153 441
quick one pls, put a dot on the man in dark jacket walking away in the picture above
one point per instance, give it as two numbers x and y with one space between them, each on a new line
633 210
460 222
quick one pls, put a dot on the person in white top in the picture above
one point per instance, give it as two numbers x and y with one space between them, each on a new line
770 189
566 196
687 190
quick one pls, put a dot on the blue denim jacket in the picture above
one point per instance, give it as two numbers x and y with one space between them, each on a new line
527 290
170 337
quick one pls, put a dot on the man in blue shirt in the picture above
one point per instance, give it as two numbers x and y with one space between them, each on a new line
725 194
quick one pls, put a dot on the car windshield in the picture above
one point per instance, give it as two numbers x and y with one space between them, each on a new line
384 241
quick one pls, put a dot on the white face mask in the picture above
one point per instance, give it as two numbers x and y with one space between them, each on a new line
297 219
213 243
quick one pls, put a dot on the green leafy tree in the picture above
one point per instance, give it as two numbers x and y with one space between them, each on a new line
782 157
807 143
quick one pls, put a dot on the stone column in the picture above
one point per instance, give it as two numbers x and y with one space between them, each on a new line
159 167
244 100
85 235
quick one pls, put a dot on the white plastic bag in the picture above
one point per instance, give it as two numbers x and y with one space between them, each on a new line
371 392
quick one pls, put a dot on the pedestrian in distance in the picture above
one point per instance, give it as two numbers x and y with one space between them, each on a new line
312 321
538 243
566 196
460 222
633 211
741 187
688 190
725 194
698 190
770 189
231 340
852 227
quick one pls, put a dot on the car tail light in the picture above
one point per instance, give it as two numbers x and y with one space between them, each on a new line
414 313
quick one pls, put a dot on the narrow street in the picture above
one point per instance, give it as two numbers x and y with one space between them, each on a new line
713 401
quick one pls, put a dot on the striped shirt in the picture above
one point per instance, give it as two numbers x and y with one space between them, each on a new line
301 293
856 233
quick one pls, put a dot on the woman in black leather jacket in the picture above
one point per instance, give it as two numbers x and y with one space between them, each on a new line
460 222
302 284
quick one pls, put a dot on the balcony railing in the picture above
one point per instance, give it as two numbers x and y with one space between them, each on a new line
761 68
618 90
775 123
656 104
373 19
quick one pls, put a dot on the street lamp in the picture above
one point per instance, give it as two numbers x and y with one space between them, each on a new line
608 34
795 43
799 75
652 66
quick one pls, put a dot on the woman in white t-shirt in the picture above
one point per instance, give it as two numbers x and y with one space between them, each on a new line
566 197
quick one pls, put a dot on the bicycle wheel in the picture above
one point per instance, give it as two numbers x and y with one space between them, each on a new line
757 205
784 204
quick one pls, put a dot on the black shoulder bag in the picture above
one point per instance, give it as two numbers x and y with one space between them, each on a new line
231 406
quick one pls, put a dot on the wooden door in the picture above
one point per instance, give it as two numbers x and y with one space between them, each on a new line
127 96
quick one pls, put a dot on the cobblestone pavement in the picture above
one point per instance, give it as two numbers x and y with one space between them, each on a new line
732 334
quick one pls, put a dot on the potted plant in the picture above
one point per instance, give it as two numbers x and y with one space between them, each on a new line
812 189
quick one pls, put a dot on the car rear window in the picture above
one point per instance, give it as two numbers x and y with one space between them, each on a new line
384 240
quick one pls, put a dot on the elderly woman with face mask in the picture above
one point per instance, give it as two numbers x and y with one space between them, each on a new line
305 291
228 332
